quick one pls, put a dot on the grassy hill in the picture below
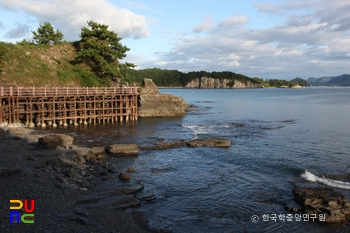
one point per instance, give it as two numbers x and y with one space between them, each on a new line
27 64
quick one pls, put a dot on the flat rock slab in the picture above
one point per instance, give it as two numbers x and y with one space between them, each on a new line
164 145
19 131
215 142
324 201
123 150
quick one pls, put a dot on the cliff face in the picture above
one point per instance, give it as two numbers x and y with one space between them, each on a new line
154 104
205 82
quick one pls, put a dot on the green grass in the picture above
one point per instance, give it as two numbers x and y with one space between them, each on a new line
26 64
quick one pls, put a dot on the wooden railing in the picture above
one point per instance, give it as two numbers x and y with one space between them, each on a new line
64 91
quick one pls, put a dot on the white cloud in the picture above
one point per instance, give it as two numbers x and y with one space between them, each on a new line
285 7
233 57
312 40
233 64
70 16
233 21
203 26
288 53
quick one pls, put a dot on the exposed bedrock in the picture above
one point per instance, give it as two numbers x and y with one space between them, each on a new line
323 201
206 82
154 104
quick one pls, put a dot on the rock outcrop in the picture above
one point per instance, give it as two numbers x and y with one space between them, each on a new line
212 142
323 201
215 142
154 104
205 82
123 150
55 141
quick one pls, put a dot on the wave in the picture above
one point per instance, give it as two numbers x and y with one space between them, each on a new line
333 183
207 129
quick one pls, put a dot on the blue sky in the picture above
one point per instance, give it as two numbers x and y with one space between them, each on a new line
259 38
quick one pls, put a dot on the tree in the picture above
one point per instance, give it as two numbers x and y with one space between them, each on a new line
100 49
45 34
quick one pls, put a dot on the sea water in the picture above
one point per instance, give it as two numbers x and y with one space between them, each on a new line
281 138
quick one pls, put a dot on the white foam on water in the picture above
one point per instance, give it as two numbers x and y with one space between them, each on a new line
197 129
205 129
333 183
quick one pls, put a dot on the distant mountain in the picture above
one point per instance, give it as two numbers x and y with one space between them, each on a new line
342 80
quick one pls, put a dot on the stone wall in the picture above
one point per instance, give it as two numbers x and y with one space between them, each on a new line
154 104
205 82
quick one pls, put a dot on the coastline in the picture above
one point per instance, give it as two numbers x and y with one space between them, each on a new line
265 125
68 190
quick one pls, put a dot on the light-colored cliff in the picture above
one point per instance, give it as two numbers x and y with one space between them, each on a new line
205 82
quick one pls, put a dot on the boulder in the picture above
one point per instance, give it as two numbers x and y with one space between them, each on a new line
216 142
130 170
73 173
123 150
54 141
124 177
97 151
92 154
324 201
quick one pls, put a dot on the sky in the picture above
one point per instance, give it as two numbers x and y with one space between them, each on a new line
280 39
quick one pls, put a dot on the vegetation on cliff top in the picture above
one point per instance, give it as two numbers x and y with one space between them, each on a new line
175 78
45 34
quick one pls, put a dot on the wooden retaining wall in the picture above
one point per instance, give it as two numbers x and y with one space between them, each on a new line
67 105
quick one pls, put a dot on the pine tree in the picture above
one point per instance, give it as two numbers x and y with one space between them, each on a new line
100 49
45 34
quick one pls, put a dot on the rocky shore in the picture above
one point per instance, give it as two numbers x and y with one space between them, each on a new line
68 185
68 182
325 204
